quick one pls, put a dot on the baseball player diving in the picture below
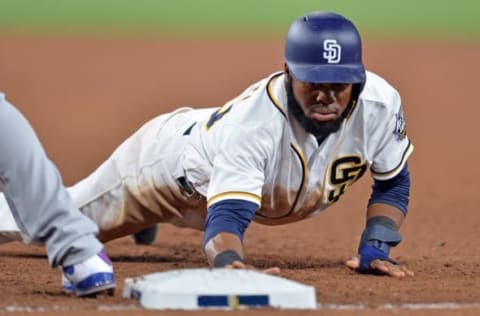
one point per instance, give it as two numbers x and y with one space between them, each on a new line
284 150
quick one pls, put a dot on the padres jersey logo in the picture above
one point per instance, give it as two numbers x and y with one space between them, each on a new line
343 173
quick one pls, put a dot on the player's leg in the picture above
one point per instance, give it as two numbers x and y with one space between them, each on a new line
43 209
135 187
113 197
9 230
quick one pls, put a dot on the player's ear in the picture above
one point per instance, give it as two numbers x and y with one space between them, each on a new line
288 77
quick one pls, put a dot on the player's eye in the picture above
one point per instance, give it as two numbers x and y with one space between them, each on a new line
339 87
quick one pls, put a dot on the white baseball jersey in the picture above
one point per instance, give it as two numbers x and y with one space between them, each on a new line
252 149
248 149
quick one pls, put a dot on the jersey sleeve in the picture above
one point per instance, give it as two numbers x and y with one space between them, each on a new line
239 165
390 143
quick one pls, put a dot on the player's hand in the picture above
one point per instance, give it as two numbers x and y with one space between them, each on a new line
382 267
241 265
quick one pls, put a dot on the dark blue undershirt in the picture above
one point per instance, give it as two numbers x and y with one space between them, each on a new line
228 216
394 192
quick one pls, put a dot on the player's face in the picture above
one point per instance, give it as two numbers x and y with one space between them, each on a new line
322 102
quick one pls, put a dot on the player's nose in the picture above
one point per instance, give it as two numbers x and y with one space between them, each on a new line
324 96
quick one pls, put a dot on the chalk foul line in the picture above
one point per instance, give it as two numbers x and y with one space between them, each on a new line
353 307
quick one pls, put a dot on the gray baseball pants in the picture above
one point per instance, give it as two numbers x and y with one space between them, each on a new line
33 188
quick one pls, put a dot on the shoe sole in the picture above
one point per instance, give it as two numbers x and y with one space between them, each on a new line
94 284
108 289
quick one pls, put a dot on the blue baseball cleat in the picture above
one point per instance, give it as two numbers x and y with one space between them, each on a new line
91 277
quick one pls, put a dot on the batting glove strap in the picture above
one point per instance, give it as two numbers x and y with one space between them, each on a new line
378 237
381 232
368 253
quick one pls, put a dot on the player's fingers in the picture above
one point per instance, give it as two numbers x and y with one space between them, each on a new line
386 268
236 265
407 271
239 265
391 269
272 271
353 263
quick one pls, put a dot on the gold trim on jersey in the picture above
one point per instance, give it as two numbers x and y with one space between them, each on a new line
327 170
303 163
352 108
394 171
303 184
234 195
272 96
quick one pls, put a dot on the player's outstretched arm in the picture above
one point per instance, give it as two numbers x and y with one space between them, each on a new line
226 245
225 224
387 208
225 250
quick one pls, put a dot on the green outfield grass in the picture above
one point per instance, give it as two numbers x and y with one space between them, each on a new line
381 18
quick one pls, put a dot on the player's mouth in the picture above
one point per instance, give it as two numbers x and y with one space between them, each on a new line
322 114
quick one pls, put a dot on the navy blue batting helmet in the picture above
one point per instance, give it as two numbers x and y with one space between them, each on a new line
324 47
